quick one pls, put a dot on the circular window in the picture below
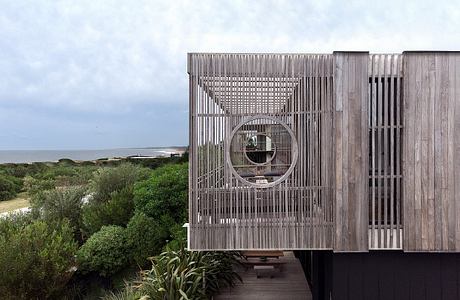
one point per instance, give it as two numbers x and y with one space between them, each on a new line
262 151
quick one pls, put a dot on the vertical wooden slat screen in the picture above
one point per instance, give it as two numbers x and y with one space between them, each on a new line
431 152
385 136
351 80
228 89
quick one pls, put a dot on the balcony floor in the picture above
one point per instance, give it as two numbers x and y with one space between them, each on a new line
290 284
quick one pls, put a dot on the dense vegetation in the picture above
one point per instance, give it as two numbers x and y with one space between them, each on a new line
183 274
36 258
93 227
10 186
105 252
38 177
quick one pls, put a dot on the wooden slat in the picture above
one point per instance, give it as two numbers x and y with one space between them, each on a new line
225 211
384 173
431 151
225 214
287 283
351 151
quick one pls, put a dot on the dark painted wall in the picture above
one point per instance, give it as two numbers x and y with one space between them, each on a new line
382 275
317 266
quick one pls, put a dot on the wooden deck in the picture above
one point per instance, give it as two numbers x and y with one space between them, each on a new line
288 284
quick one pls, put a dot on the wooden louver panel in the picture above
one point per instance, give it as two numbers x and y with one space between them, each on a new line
385 136
431 151
351 81
292 90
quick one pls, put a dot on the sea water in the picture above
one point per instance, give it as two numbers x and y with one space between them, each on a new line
29 156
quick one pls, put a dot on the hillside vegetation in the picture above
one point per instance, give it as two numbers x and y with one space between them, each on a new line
104 230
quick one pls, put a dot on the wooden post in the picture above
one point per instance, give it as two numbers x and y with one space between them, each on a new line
351 151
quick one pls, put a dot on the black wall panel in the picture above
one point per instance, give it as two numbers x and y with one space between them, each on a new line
383 275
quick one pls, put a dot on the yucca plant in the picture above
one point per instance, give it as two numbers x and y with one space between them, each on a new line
128 293
182 275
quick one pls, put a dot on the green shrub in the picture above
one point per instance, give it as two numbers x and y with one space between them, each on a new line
65 175
105 252
14 222
18 182
87 163
156 162
117 211
145 237
36 186
164 193
37 168
188 275
178 238
59 205
128 293
36 259
58 175
58 170
86 173
9 188
22 170
109 180
66 162
15 170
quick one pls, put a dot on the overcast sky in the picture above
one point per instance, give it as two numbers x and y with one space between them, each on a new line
103 74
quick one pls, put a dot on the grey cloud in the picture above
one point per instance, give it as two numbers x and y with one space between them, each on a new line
118 58
77 53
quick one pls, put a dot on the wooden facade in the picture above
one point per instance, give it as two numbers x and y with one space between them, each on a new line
385 146
351 151
431 151
347 151
280 203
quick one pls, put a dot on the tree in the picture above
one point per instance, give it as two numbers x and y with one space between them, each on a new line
164 193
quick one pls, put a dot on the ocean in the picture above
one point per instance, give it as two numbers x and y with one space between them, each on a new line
29 156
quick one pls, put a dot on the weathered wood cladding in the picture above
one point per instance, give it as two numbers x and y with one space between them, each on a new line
385 136
228 89
431 151
351 80
377 156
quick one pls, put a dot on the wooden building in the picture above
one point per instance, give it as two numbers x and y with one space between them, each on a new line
328 154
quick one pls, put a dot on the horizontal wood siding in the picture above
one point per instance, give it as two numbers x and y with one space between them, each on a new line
351 151
431 155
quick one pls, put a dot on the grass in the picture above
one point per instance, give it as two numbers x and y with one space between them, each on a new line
20 201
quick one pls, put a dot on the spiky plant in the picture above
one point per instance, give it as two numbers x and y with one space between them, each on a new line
183 275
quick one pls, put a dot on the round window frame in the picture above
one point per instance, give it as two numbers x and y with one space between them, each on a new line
253 162
295 152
